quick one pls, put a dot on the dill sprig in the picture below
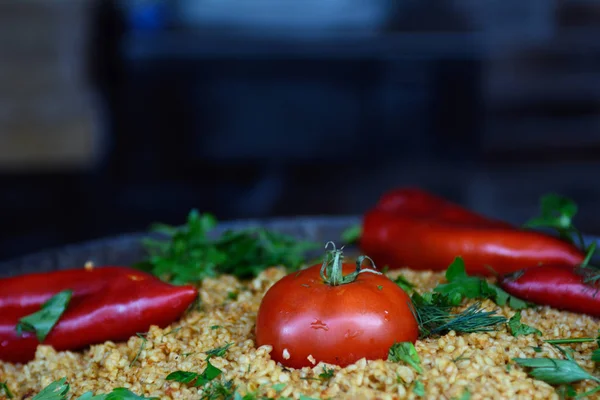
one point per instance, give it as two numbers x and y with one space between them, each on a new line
434 315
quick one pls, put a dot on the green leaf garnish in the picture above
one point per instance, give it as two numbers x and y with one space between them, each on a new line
57 390
327 373
217 390
189 255
219 351
519 329
4 387
419 388
596 355
557 213
210 372
278 387
42 321
406 352
404 284
352 234
232 295
124 394
466 395
554 370
462 286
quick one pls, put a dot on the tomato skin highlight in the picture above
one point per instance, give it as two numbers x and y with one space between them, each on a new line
302 316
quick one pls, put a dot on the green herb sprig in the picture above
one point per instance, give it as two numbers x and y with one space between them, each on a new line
42 321
4 387
557 213
405 352
517 328
59 389
434 316
462 286
188 254
352 234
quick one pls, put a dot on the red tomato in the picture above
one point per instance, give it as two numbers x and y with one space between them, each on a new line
303 316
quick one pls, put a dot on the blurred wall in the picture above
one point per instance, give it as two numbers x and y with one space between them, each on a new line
114 114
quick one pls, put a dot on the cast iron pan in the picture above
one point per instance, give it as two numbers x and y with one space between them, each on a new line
126 249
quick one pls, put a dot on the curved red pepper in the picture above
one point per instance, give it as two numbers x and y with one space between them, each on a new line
561 287
415 229
108 303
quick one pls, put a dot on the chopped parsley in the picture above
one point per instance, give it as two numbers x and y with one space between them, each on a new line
462 286
406 352
210 372
42 321
219 351
59 389
557 213
352 234
327 373
419 388
6 390
232 295
519 329
189 254
404 284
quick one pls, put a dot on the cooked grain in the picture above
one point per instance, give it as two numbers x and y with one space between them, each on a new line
452 364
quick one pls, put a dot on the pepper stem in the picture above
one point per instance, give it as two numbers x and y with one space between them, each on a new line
332 269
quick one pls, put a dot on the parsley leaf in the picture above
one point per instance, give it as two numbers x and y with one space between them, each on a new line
557 213
232 295
462 286
6 390
554 370
188 254
596 355
327 373
219 351
210 372
42 321
519 329
419 388
405 351
220 391
121 394
57 390
466 395
278 387
404 284
352 234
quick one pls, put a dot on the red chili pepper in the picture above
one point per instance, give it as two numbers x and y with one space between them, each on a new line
561 287
415 229
108 303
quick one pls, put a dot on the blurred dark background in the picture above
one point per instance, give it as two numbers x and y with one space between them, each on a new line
118 114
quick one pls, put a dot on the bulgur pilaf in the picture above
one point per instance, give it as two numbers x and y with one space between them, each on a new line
453 365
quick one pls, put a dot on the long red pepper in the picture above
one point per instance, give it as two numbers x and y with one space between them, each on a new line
108 303
561 287
412 228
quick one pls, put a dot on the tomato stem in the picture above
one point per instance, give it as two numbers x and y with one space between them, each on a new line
332 269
